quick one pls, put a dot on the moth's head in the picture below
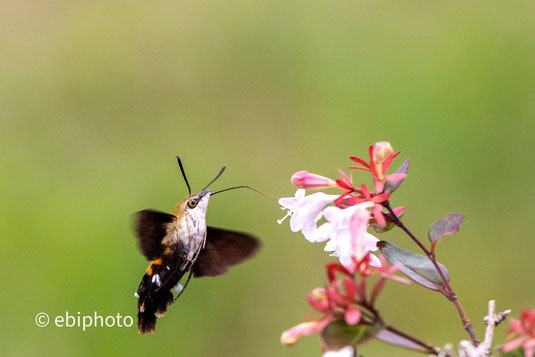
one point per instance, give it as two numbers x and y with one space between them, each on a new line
198 201
196 204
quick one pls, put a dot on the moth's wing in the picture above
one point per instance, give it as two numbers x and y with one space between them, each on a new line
151 228
223 249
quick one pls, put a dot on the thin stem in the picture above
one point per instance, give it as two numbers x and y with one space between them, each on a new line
370 315
430 349
448 291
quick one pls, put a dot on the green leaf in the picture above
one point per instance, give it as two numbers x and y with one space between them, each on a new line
391 186
450 224
338 334
417 267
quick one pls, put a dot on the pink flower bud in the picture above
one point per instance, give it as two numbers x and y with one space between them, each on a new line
352 316
290 337
306 180
318 299
319 294
381 151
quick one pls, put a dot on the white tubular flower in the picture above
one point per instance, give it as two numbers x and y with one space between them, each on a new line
346 229
305 211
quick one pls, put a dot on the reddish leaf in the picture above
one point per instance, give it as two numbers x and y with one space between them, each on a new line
343 185
359 168
350 288
360 161
332 268
450 224
386 164
381 198
378 215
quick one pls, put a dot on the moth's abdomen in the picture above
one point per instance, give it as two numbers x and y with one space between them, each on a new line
154 292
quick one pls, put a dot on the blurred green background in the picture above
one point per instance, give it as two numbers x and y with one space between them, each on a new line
97 98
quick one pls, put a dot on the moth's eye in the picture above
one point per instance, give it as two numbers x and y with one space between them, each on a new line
192 203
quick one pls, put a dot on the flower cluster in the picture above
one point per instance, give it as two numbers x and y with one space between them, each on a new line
347 220
349 316
347 303
344 298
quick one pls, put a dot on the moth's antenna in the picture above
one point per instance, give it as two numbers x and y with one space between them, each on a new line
211 182
183 173
249 187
